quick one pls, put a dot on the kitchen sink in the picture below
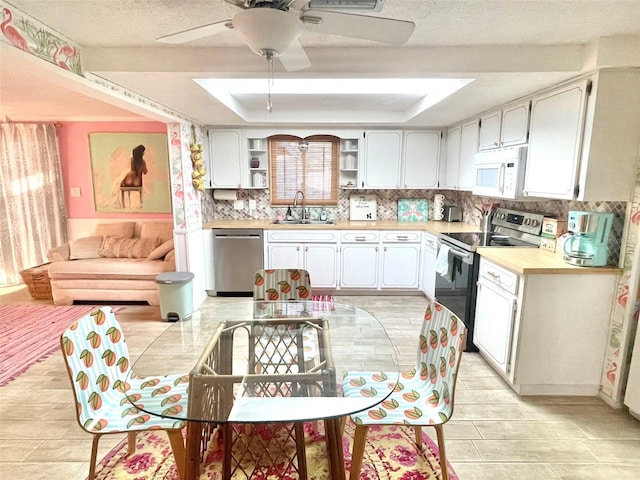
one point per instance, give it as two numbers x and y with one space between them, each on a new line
303 222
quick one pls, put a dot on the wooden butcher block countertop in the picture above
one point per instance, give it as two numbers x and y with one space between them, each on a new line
531 261
431 227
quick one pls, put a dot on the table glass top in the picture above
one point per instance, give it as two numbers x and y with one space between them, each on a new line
246 361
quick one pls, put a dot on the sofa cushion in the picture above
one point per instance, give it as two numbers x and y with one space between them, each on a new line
160 251
119 247
108 268
86 247
117 229
161 230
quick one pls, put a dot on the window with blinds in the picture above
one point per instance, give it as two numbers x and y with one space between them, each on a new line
310 165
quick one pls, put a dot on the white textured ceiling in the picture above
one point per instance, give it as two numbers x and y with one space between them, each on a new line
510 47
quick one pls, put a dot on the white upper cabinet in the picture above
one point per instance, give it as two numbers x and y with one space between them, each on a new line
421 156
452 160
557 120
490 130
514 129
383 156
505 127
584 139
468 148
224 159
462 145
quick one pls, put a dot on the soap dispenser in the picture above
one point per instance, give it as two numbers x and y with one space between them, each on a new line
323 215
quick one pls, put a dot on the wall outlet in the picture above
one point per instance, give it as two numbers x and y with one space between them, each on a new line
252 205
238 204
74 192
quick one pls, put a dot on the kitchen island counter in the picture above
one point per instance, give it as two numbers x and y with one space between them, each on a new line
532 261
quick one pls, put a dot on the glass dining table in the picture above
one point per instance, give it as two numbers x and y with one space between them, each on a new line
257 371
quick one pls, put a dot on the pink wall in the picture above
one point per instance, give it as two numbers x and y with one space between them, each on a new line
73 139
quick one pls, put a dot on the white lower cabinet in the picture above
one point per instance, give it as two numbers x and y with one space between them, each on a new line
316 252
400 263
542 332
428 270
495 316
359 259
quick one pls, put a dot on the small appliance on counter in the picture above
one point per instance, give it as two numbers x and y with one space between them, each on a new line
588 246
452 213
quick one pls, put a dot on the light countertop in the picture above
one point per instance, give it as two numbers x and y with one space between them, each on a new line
521 260
531 261
431 227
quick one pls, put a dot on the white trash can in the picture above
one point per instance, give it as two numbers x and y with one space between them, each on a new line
175 290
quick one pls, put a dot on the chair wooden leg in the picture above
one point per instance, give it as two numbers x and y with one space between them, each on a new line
94 455
179 451
131 443
418 432
443 454
357 453
300 450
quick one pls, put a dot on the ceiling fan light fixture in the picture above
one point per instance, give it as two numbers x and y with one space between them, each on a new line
268 29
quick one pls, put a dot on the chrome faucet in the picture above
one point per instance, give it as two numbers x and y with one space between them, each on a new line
304 207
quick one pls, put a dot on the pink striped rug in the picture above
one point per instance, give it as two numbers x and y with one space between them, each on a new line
30 333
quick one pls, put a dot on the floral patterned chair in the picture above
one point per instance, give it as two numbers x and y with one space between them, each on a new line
98 364
423 395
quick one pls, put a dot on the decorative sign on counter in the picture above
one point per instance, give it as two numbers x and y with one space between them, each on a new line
413 210
363 207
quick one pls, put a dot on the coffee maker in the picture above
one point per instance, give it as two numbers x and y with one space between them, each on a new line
588 245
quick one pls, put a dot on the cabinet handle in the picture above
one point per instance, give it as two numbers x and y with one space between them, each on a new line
306 249
402 238
376 249
298 249
385 249
494 275
360 239
363 184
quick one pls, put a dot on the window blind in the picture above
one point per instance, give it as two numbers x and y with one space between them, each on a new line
313 170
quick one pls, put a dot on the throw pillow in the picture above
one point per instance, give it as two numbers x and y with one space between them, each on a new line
83 248
162 230
119 247
161 251
117 229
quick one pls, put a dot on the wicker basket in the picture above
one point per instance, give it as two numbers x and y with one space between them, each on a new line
38 282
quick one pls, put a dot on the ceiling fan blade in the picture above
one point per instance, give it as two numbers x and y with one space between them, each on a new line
197 32
378 29
295 58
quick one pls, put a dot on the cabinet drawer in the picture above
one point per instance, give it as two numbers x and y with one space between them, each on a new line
401 237
499 276
360 236
308 236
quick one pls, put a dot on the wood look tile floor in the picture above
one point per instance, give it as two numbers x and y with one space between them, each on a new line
495 434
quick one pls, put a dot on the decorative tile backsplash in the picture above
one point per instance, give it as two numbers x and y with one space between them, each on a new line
388 208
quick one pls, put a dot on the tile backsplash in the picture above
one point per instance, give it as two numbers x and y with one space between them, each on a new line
388 208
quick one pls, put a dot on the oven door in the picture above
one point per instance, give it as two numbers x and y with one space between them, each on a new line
458 293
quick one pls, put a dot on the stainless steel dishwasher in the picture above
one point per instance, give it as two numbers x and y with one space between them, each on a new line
237 255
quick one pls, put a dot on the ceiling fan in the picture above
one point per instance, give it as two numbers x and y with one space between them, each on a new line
271 27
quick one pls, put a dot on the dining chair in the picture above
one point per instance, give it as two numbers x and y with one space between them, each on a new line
423 396
98 364
276 285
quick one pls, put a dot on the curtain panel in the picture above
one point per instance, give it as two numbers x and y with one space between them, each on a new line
32 205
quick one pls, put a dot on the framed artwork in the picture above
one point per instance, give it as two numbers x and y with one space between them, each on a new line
130 172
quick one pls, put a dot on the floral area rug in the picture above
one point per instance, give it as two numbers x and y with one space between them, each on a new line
390 454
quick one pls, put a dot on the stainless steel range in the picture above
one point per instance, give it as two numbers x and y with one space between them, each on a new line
456 288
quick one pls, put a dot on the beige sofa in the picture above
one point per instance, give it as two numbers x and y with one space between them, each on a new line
114 264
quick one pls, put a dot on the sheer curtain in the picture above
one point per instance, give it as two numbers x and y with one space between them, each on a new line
32 209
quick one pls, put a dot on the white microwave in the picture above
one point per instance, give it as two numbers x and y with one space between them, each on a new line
500 173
